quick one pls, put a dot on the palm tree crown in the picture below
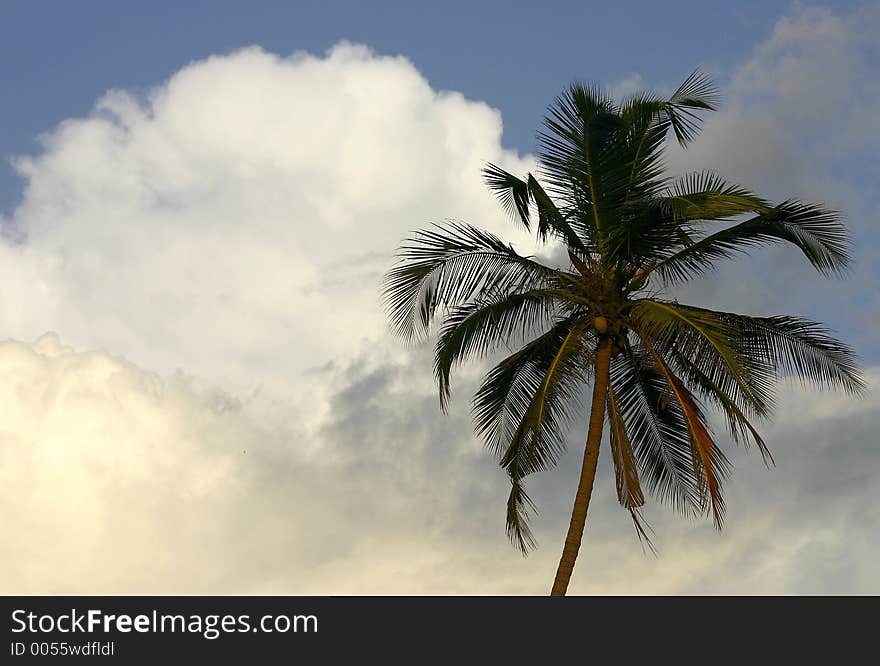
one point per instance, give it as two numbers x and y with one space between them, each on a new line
606 318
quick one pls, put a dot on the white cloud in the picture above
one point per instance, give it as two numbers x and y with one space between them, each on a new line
236 221
124 482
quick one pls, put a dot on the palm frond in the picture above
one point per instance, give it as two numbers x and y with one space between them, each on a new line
816 231
739 425
556 382
477 328
646 125
544 393
799 347
517 196
657 430
520 508
629 489
710 464
512 193
642 527
697 93
551 220
579 134
648 119
506 391
704 195
447 265
603 159
714 346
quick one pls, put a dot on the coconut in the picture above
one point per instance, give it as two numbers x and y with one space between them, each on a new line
600 324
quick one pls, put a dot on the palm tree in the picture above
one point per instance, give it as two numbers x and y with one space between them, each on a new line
606 317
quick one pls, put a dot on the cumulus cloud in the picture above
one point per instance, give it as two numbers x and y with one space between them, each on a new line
124 482
228 230
236 220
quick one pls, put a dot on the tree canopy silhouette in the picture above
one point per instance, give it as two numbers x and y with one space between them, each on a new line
630 233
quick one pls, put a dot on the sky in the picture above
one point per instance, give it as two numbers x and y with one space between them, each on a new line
198 391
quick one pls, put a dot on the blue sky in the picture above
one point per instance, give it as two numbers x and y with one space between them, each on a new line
197 384
60 57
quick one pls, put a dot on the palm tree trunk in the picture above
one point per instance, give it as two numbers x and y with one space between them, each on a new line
588 472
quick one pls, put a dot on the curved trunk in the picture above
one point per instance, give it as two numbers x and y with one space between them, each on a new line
588 472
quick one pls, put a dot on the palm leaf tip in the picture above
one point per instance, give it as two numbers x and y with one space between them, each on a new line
520 508
629 490
642 528
698 90
697 93
819 232
803 349
512 192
